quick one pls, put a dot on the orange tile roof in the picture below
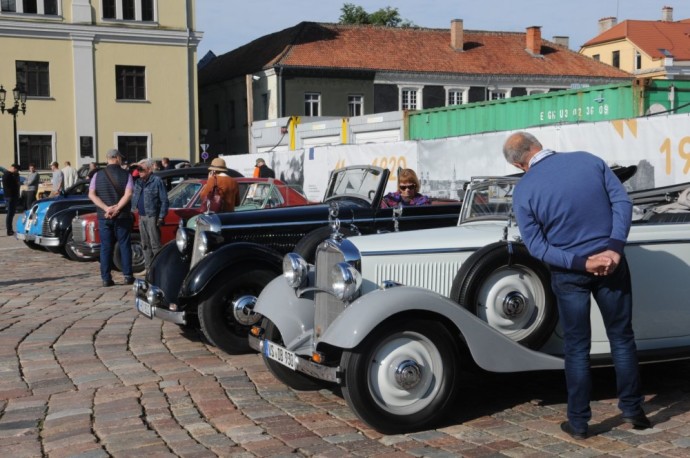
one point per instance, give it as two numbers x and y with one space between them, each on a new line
650 37
418 50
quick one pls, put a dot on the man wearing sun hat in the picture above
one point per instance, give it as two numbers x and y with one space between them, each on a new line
227 185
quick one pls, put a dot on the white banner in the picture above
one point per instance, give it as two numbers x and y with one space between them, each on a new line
659 146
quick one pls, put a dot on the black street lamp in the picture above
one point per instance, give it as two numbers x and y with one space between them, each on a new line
19 98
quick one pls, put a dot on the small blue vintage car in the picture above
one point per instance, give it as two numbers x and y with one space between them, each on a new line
35 223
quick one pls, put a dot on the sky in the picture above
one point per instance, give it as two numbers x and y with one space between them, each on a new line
229 24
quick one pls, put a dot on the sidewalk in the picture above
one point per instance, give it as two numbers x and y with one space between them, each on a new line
82 374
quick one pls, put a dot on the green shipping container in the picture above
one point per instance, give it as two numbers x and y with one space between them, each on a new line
596 103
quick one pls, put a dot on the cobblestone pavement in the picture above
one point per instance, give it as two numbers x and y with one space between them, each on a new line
82 374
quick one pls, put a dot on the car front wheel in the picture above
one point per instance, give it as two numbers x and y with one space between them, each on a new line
404 376
293 379
215 311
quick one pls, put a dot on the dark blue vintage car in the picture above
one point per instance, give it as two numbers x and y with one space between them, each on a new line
194 280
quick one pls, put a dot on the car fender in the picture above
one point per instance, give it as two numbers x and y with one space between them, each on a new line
64 218
292 315
490 349
219 262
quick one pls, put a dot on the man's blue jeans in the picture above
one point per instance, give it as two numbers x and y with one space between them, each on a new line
111 230
613 295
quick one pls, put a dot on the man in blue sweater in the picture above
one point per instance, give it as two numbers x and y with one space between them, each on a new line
574 214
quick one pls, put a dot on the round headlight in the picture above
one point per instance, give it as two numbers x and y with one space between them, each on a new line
295 270
181 240
53 224
345 281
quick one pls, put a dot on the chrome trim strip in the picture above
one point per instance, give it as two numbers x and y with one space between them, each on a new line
419 251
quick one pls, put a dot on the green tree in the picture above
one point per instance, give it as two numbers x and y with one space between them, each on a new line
388 17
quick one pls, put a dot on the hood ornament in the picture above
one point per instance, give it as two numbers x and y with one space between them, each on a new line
333 221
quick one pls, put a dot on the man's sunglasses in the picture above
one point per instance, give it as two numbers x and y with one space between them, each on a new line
405 187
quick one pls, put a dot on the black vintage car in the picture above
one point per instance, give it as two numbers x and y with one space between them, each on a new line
56 233
195 280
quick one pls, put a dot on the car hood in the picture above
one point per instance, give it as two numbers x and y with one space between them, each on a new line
465 236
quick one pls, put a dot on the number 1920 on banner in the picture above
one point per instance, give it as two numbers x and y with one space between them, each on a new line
683 152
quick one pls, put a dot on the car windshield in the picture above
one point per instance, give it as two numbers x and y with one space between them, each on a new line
488 198
360 182
182 194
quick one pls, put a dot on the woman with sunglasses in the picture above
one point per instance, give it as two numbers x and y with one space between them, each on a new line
407 193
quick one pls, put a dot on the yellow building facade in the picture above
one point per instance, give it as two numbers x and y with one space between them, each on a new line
98 74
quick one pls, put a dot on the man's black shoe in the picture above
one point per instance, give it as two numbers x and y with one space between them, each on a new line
10 233
107 283
129 280
567 428
639 421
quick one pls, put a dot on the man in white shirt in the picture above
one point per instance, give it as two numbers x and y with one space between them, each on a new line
70 175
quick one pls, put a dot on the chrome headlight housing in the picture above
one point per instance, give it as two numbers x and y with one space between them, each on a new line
181 240
345 281
295 270
53 224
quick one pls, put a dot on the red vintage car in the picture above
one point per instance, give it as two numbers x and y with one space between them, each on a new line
256 193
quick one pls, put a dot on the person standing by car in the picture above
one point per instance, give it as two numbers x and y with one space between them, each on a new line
407 193
57 181
151 200
32 181
111 190
574 214
227 185
10 184
165 164
93 168
261 170
69 174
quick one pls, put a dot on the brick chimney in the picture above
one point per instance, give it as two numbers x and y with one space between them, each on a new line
456 34
667 14
606 23
562 41
534 40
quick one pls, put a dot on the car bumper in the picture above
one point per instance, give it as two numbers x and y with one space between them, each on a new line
25 237
47 241
88 249
149 301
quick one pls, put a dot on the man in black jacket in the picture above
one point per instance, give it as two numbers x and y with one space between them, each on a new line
263 171
10 184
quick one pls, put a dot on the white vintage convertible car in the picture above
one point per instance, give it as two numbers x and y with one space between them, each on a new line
390 317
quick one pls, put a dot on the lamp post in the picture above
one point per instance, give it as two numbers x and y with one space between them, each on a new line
19 105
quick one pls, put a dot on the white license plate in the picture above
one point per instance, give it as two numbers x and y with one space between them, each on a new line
20 236
143 307
280 354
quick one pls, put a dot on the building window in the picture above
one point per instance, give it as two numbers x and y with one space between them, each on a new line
129 10
455 97
36 149
498 94
355 105
408 99
130 82
47 7
638 60
312 104
8 6
134 147
34 77
596 57
264 106
616 59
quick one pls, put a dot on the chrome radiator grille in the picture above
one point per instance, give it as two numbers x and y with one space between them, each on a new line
327 307
78 230
437 277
